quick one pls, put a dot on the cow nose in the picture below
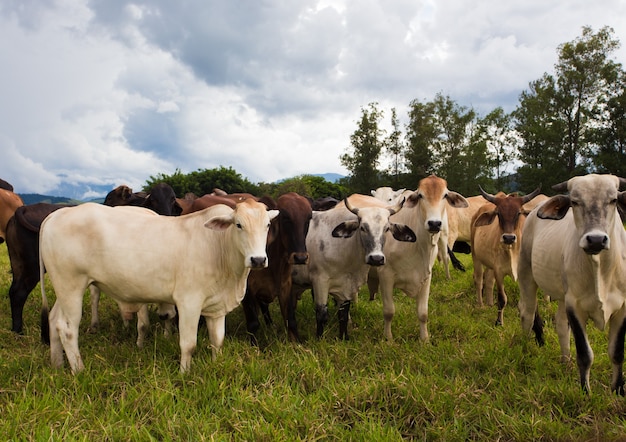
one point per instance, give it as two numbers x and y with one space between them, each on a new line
300 258
376 260
258 262
509 238
595 244
434 226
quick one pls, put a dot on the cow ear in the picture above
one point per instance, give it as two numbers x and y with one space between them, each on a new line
272 214
412 200
346 229
402 232
554 208
219 223
456 200
486 218
621 201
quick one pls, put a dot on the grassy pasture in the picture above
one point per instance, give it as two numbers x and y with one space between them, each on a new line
472 381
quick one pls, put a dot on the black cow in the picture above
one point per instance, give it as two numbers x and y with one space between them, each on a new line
23 246
161 199
284 251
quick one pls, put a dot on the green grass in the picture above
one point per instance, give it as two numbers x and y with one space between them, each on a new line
472 381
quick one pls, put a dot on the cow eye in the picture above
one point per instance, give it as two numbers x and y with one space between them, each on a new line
614 201
574 203
239 226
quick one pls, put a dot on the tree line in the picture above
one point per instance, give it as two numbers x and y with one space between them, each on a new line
569 122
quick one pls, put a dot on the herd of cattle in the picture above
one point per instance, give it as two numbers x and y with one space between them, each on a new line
203 256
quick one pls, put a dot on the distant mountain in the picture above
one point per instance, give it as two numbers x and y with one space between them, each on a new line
330 177
32 198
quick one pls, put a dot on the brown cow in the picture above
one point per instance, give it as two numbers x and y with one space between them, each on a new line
285 251
496 246
9 202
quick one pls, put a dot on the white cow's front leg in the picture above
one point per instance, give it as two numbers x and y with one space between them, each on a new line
217 330
188 334
143 324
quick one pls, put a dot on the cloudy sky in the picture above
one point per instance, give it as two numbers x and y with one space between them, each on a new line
107 92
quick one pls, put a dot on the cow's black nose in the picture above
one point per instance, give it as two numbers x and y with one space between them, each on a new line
300 258
596 244
257 262
376 260
509 238
434 226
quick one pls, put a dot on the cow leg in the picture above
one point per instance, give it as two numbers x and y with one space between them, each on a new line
167 313
217 331
320 296
143 324
584 353
288 304
65 320
617 330
455 261
250 311
18 293
489 281
562 331
372 283
422 308
265 311
528 300
94 296
478 282
442 254
502 300
389 308
189 316
343 315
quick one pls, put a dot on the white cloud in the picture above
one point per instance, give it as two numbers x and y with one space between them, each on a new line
111 92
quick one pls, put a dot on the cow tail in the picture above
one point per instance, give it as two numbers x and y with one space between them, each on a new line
45 310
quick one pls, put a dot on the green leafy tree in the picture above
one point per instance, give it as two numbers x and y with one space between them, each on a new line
306 185
421 132
611 136
395 149
560 118
362 158
496 130
203 181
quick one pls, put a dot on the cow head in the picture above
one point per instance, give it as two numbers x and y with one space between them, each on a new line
594 200
372 224
293 220
508 209
162 200
431 198
387 194
250 222
124 196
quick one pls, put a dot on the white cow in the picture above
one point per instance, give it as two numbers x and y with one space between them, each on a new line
199 263
409 264
343 243
574 249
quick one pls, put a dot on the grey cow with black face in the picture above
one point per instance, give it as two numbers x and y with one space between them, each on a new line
343 243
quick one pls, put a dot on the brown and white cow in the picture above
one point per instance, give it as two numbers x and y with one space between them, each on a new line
200 264
343 242
288 249
574 249
409 264
496 245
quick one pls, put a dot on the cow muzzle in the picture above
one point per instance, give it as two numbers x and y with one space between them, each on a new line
434 226
594 243
375 260
258 262
508 239
299 258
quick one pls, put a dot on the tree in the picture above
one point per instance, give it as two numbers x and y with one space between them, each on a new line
611 136
500 139
395 148
306 185
560 117
204 181
362 158
420 135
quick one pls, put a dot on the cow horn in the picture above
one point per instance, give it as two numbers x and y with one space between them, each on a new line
561 187
531 195
622 182
395 209
354 210
486 195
